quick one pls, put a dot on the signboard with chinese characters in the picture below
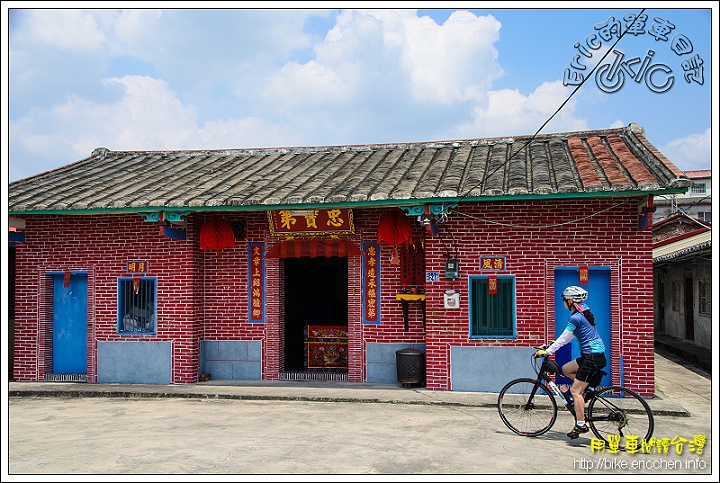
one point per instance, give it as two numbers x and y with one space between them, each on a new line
311 222
371 284
137 266
256 282
492 263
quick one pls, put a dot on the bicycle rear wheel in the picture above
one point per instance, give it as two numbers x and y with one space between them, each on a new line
618 415
525 416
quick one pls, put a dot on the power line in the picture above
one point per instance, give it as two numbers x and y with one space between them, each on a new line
686 211
555 113
514 225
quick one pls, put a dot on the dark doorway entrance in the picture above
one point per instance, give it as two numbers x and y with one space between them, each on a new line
315 294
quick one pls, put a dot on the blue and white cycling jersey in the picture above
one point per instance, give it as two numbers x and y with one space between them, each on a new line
586 334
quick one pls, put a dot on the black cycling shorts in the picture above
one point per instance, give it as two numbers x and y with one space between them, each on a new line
588 364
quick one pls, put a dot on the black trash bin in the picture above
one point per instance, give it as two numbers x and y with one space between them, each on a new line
410 366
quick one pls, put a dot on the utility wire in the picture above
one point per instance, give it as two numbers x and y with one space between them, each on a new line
685 212
512 155
513 225
555 113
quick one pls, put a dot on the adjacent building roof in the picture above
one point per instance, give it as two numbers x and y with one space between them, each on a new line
675 225
699 173
679 237
683 246
608 162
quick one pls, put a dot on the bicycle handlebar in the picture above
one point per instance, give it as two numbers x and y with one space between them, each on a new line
542 348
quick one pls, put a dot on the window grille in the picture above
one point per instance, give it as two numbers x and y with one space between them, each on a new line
676 296
698 189
136 305
705 296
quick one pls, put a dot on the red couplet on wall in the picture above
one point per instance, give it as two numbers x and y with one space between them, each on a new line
492 284
584 275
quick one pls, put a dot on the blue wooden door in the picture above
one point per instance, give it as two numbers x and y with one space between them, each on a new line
598 301
69 351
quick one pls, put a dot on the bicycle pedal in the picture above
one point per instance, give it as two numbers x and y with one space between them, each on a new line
577 431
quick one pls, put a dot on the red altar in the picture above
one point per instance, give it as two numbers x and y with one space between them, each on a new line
326 348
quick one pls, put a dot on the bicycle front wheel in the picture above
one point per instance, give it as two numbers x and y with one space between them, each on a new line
525 414
620 416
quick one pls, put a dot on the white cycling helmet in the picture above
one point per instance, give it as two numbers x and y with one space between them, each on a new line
575 293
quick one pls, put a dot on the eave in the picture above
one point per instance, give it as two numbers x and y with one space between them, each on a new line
355 205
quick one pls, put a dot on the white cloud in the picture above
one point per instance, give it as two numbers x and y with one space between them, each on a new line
235 78
371 53
66 29
248 133
310 84
508 112
134 31
149 115
146 116
211 46
690 152
452 62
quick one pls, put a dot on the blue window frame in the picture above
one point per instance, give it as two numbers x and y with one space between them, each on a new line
137 306
492 315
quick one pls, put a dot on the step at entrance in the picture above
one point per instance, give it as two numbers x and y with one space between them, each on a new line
312 376
66 377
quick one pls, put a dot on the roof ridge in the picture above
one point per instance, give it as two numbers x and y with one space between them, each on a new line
103 152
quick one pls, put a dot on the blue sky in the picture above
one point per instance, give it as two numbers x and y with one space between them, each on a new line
162 79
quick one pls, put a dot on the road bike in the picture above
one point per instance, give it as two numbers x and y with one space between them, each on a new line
615 414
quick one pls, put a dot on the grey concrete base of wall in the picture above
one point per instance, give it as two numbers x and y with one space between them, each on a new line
231 359
488 369
134 362
381 361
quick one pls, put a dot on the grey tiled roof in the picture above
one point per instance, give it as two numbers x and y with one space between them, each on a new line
588 163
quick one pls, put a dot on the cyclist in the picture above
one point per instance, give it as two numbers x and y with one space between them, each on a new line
592 352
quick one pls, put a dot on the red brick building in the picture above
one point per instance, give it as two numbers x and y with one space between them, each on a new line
323 262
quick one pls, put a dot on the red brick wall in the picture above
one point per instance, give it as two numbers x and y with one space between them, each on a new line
535 237
101 245
203 295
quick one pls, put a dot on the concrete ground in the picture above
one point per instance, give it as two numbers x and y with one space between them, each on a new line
299 428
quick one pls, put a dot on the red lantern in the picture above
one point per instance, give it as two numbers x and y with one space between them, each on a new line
216 234
394 229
